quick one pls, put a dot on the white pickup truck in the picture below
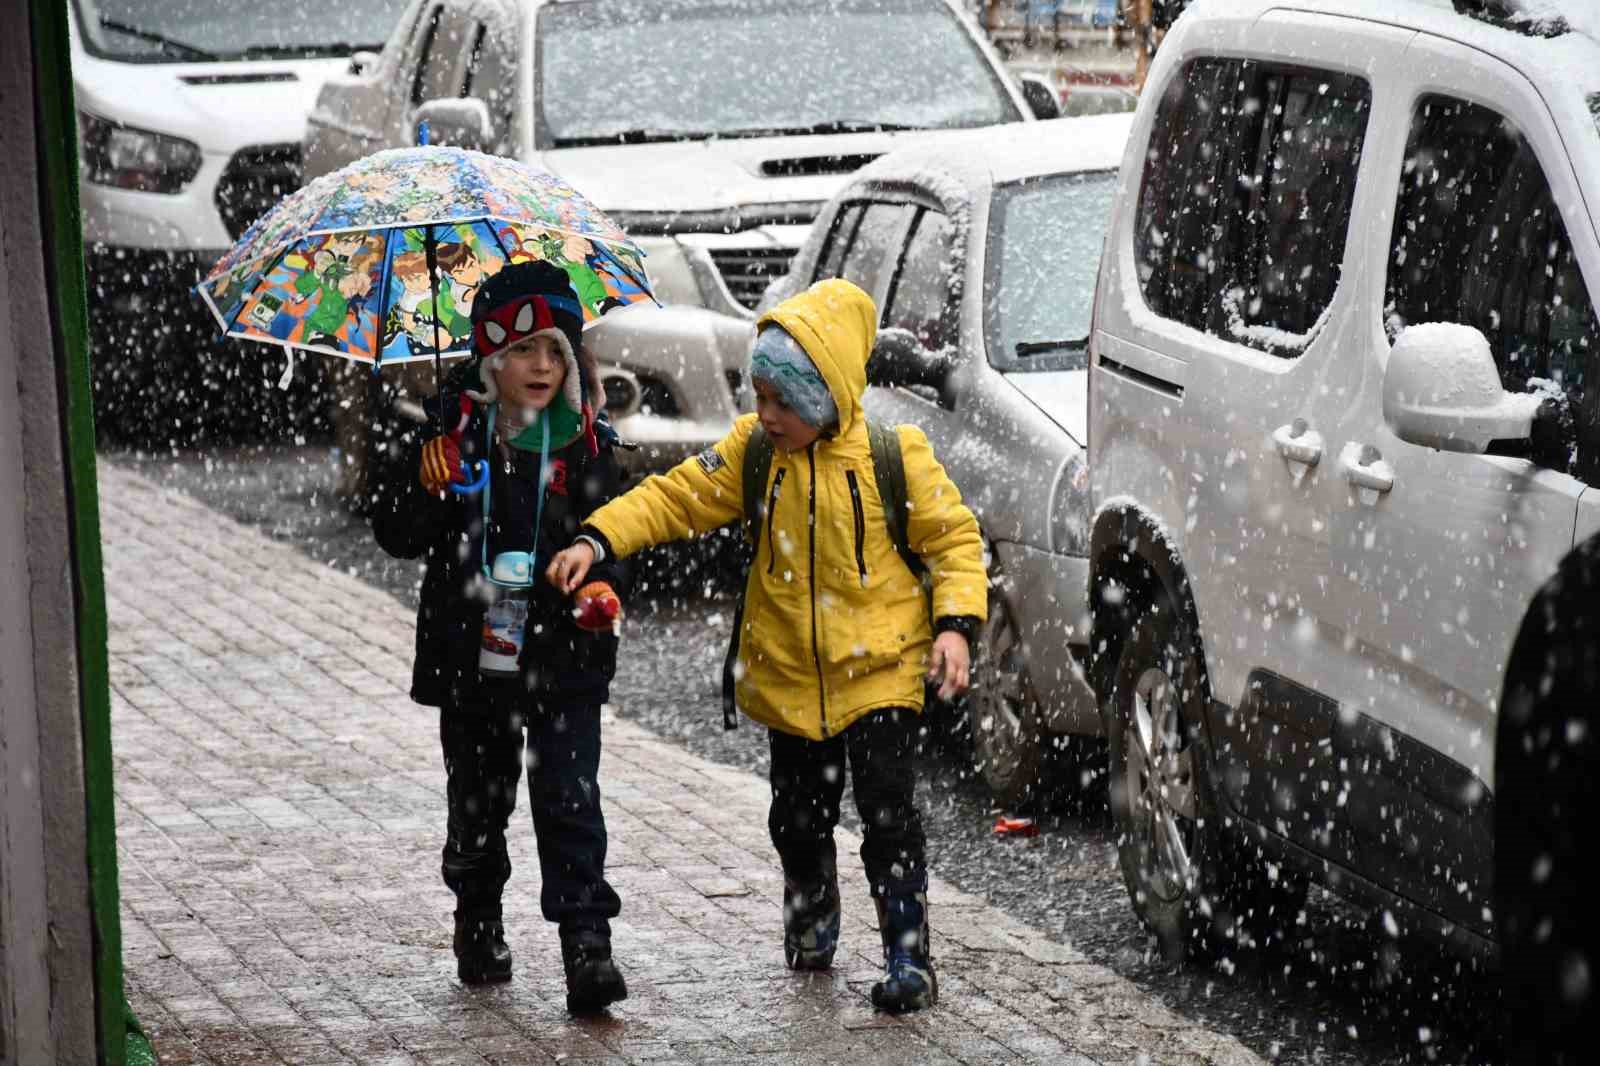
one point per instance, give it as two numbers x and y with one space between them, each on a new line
713 132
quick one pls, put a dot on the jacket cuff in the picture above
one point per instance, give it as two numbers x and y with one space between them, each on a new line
965 624
599 549
602 546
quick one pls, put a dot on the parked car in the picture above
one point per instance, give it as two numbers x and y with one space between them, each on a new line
1343 416
189 127
712 132
980 252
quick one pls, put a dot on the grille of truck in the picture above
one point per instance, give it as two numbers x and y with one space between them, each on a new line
748 271
255 180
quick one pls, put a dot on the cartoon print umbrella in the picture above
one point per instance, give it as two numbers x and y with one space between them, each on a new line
379 261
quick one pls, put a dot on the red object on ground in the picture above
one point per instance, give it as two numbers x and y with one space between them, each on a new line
1025 827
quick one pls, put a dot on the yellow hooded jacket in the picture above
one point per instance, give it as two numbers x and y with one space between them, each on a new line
834 623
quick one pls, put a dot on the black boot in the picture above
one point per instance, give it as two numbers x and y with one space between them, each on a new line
909 983
593 980
480 946
811 921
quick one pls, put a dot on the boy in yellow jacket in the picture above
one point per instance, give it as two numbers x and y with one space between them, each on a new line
836 635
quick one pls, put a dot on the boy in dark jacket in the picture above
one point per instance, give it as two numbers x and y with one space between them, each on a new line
513 664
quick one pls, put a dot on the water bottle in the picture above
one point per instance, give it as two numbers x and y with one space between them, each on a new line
505 622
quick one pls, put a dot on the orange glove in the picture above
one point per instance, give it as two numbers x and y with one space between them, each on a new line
598 607
441 464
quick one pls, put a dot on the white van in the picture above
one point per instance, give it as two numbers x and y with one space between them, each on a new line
1344 421
190 118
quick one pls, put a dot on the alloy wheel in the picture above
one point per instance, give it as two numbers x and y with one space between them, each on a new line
1160 785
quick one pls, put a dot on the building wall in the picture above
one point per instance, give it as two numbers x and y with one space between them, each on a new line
48 1001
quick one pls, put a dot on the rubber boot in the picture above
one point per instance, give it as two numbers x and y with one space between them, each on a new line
593 980
480 946
908 983
811 921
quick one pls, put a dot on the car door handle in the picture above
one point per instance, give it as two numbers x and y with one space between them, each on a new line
1364 467
1297 443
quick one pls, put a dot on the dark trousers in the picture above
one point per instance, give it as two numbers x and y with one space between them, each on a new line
808 783
484 752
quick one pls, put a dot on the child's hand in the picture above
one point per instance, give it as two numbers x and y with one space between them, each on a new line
568 569
949 664
441 464
598 607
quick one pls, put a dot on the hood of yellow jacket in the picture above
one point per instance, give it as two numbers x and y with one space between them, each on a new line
836 323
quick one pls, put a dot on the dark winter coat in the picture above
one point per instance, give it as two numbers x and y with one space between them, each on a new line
559 660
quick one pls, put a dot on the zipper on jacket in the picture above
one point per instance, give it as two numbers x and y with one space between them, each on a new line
861 525
816 648
772 507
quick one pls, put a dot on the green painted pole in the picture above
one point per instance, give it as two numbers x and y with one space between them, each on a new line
62 226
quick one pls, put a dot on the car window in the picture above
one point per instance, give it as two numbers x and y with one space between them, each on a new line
1479 240
758 68
876 238
441 73
921 297
1248 185
1045 236
492 77
839 237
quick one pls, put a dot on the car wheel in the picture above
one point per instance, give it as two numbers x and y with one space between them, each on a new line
1192 888
1008 740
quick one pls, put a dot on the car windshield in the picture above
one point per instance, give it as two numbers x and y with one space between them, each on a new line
624 71
187 31
1044 249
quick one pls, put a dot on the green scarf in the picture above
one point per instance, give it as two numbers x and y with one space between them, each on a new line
566 426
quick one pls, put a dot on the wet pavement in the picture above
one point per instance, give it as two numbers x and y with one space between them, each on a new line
1318 1002
279 811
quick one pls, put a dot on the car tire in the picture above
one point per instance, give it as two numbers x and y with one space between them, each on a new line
1008 739
1201 895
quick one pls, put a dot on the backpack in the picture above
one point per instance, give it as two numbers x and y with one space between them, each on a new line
888 473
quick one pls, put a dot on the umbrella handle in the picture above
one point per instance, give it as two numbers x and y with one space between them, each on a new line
479 480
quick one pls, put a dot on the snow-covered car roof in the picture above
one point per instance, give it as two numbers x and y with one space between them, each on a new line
1565 62
952 167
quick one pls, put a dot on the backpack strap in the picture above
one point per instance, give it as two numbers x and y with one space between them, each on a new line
889 471
757 466
755 469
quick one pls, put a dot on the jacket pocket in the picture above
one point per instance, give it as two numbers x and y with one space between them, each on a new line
772 510
861 525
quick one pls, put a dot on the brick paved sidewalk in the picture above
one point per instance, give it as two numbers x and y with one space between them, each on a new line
279 810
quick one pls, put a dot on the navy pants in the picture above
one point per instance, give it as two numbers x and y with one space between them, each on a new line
808 782
484 753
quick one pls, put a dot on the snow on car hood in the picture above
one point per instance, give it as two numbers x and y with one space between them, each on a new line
716 175
219 106
1061 394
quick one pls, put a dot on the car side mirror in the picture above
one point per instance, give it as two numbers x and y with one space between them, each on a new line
1442 390
1040 95
899 359
460 123
362 61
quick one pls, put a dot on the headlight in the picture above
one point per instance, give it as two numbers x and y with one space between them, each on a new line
130 158
1069 508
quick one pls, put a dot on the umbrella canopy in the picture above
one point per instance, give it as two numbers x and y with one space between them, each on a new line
379 262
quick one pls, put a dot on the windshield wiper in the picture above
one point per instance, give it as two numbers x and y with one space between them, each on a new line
840 125
300 51
130 30
640 136
1027 348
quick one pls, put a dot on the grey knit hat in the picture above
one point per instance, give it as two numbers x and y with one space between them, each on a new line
781 361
